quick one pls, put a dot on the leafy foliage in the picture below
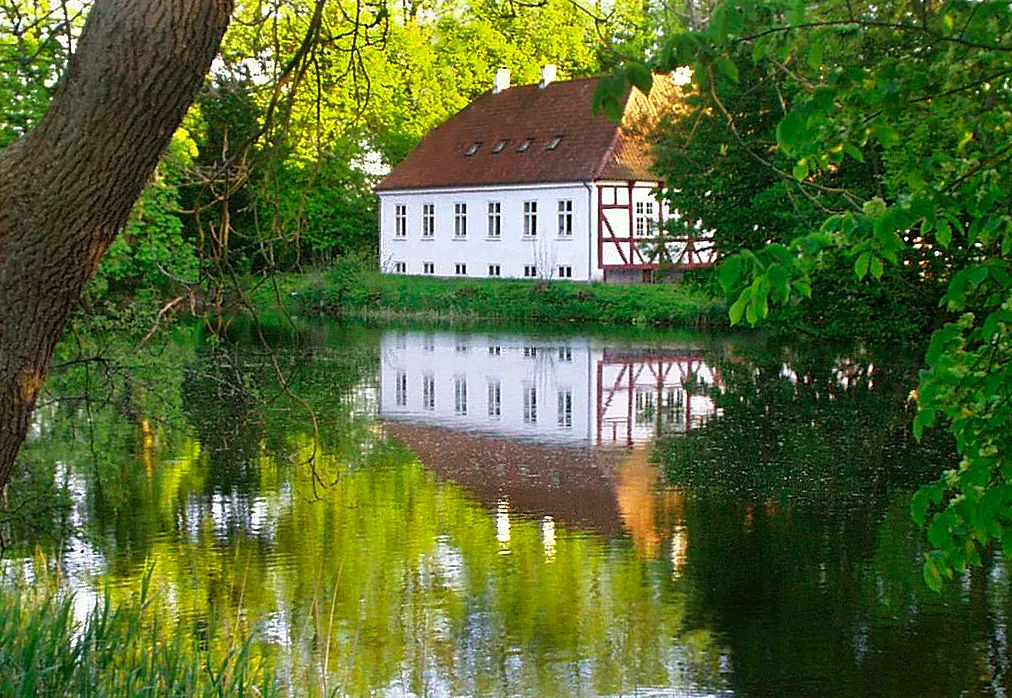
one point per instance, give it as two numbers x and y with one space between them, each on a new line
917 103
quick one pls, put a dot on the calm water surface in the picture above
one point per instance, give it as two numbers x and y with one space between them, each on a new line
485 513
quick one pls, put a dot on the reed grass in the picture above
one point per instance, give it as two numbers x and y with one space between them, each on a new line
115 652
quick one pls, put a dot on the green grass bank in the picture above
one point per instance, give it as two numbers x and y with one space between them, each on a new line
354 290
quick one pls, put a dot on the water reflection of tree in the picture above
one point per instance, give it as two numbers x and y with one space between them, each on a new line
802 549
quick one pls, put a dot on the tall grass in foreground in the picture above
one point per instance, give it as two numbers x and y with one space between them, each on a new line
114 652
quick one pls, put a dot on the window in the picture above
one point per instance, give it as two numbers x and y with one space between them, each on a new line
429 391
400 267
565 354
530 218
644 218
460 395
400 221
530 352
460 220
565 218
565 271
530 404
428 267
429 343
462 348
530 271
494 399
500 146
495 350
554 143
525 145
495 219
428 220
401 388
461 269
565 408
494 270
472 149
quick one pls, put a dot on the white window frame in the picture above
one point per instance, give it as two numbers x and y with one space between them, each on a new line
565 218
531 219
460 395
565 412
565 271
401 388
530 271
460 220
460 268
400 267
428 221
494 228
494 399
429 391
530 404
494 270
429 268
400 221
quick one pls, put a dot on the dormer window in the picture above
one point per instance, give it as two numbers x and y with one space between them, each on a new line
473 149
554 143
500 146
523 147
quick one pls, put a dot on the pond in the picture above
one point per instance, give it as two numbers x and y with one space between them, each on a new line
451 512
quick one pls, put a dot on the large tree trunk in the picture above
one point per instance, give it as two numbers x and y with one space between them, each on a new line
67 188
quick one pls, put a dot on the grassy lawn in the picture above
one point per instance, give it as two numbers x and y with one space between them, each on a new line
354 290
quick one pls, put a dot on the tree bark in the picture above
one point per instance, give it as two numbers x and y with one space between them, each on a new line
67 188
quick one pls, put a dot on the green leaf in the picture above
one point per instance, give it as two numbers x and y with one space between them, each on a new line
801 169
943 233
815 52
738 309
862 264
639 76
876 267
792 131
730 273
919 506
853 151
932 575
727 68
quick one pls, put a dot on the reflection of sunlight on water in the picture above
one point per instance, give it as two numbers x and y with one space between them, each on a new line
679 550
548 536
502 525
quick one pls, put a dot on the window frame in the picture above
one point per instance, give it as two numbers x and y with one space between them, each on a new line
531 218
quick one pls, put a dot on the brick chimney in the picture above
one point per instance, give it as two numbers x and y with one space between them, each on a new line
547 75
501 81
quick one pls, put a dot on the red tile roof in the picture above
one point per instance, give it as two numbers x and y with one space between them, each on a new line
592 147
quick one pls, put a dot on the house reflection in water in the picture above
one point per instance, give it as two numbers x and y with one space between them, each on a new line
561 429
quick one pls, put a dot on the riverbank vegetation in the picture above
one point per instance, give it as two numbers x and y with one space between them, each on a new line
116 652
352 289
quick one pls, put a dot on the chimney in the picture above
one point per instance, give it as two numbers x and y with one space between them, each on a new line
502 81
547 75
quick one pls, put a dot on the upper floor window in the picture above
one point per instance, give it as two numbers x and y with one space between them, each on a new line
428 220
472 149
495 219
460 220
530 218
554 143
644 218
566 218
525 145
400 220
500 146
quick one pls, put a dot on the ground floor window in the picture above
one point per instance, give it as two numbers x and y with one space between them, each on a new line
461 269
530 271
565 272
494 270
428 267
400 267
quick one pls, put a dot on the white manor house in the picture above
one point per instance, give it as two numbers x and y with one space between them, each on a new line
526 183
